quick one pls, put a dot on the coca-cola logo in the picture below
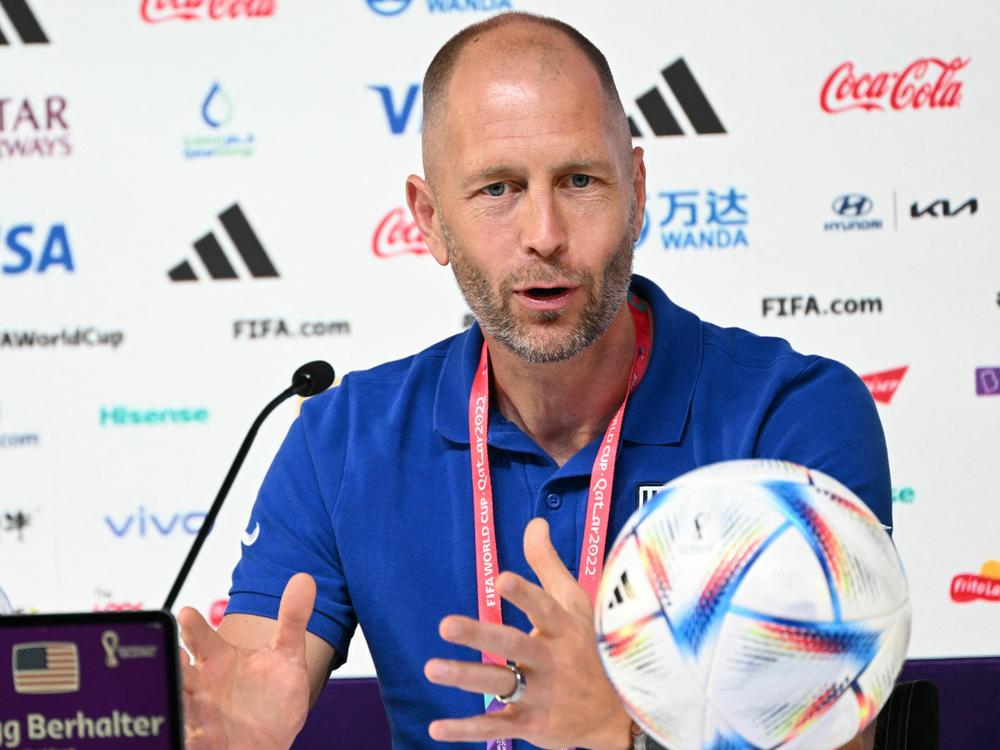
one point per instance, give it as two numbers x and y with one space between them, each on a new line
156 11
883 385
397 234
968 587
926 82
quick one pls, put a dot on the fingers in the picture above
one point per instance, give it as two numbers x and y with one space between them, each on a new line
480 728
545 613
198 635
503 640
294 611
488 679
544 560
189 675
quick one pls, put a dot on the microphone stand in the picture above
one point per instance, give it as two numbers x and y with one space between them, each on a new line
206 526
308 380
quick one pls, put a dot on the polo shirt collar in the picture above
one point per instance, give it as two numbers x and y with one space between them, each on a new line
658 409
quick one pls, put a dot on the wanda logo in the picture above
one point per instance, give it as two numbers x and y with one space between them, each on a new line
155 11
397 234
883 385
926 82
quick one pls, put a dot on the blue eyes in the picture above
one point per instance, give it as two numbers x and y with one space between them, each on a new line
500 189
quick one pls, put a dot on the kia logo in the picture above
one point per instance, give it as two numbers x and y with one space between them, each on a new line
852 204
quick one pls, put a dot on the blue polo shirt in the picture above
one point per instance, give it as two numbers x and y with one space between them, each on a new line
371 491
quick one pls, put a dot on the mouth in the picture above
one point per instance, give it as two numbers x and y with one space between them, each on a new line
545 297
541 293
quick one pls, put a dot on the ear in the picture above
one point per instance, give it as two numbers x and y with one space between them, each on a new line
639 187
420 199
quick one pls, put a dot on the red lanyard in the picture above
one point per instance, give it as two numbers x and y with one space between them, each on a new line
598 504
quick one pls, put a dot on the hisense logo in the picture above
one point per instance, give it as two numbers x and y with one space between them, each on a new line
121 416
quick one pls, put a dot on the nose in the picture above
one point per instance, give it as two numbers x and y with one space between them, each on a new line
543 230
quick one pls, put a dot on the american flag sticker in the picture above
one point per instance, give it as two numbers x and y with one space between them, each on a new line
646 492
52 667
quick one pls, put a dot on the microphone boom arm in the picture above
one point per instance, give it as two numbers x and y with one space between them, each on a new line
206 526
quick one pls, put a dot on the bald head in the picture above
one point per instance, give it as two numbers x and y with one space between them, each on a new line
511 46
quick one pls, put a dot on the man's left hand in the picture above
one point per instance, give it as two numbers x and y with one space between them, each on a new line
568 700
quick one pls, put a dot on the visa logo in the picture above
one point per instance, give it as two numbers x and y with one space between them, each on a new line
147 523
23 249
398 111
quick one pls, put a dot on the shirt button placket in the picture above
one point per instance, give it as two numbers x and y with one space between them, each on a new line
553 501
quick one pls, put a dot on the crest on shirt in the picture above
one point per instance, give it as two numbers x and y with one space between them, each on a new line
644 492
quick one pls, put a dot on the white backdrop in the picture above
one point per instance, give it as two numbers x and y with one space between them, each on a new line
119 165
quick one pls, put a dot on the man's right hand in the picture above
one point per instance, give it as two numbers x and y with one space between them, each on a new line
237 697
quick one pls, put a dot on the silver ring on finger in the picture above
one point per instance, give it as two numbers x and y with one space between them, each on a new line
518 692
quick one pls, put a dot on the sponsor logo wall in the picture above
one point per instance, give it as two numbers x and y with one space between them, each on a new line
180 231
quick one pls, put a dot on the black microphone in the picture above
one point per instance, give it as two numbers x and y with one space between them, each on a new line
308 380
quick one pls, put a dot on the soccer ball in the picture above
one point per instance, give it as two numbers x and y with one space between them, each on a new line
753 604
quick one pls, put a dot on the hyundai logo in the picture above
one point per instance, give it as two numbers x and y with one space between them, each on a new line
852 204
388 7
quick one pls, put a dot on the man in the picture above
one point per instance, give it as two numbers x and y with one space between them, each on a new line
385 494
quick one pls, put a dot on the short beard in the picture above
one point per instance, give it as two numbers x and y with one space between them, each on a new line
605 297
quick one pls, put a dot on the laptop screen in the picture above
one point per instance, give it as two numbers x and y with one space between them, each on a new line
89 681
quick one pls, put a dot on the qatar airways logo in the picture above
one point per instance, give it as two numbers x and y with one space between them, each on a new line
157 11
397 234
925 82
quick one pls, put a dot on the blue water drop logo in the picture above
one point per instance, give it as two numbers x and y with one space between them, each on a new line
217 109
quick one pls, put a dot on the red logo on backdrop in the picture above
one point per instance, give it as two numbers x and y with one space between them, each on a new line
397 234
217 611
118 607
967 587
926 82
155 11
106 602
883 384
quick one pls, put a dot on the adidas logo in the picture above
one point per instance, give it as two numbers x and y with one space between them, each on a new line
214 258
622 590
25 24
689 95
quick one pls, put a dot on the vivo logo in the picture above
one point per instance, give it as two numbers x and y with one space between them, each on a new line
147 523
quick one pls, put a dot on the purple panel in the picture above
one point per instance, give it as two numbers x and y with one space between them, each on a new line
348 713
970 700
97 684
351 710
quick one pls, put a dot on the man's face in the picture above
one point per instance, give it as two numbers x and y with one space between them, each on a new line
536 203
539 333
